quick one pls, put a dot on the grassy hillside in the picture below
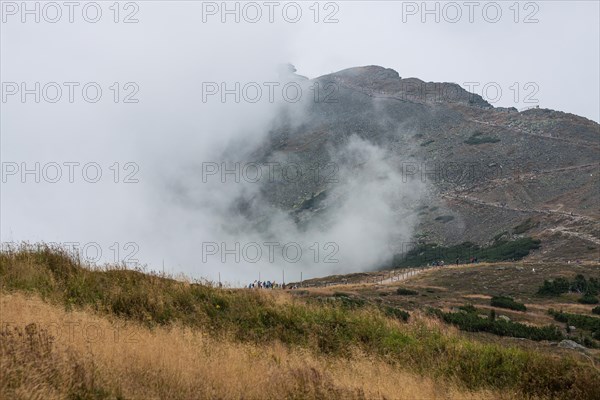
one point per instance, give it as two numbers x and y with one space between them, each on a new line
325 331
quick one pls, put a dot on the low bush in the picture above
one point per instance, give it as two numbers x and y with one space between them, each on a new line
478 138
471 322
444 218
524 226
349 301
577 320
596 310
588 287
406 292
394 312
507 302
499 250
588 299
469 308
554 287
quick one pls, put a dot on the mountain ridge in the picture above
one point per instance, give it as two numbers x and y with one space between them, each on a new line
535 164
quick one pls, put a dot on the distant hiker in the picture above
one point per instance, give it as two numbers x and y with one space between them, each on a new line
457 260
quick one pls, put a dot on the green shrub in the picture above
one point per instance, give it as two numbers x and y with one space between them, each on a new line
588 299
579 284
577 320
510 250
349 301
478 138
444 218
406 292
471 322
554 288
499 250
507 302
524 226
396 313
499 236
596 310
588 287
469 308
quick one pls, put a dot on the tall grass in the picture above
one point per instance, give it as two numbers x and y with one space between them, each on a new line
43 358
256 318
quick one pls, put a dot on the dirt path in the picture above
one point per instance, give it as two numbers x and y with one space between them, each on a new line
516 129
474 200
399 275
528 175
583 236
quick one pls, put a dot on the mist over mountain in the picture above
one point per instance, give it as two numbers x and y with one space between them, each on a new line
300 200
368 164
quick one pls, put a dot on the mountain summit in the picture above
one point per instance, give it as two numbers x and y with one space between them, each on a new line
490 172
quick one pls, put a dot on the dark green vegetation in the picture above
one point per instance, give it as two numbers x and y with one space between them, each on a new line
577 320
554 287
525 226
469 308
397 313
596 310
346 300
468 320
333 327
507 302
591 324
500 250
478 138
444 218
588 299
589 288
406 292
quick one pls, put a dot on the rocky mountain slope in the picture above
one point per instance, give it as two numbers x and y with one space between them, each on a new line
489 171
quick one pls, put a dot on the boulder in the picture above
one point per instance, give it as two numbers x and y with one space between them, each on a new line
569 344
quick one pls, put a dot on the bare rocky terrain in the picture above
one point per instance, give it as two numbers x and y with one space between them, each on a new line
487 169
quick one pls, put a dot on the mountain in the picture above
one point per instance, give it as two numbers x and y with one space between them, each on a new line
490 172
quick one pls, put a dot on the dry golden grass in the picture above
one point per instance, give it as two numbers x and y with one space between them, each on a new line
77 354
180 340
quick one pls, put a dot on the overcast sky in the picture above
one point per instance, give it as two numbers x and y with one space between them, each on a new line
542 53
